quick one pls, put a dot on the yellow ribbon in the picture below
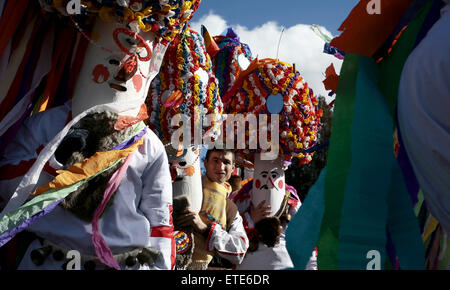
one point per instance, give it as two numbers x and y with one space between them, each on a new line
430 227
88 167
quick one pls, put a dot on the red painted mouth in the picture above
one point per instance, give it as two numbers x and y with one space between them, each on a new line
117 87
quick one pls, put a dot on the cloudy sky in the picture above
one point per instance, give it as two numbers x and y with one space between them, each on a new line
259 23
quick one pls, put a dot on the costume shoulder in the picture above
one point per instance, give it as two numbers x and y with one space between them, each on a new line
41 128
154 146
37 130
48 122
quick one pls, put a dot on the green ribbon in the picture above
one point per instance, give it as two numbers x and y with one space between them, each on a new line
338 164
364 211
39 203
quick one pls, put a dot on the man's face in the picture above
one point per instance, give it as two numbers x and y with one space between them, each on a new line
219 166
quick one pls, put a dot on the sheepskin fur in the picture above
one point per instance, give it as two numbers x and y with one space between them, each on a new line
93 133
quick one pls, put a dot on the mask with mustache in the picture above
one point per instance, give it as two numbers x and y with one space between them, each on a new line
268 183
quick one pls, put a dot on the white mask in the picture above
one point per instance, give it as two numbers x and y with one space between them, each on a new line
186 177
268 183
103 78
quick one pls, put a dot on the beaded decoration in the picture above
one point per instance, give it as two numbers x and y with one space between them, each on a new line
179 89
299 117
226 63
183 241
165 18
211 218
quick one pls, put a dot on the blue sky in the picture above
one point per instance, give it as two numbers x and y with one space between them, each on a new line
252 13
260 23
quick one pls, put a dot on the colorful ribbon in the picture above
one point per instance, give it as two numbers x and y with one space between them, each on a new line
67 181
101 248
16 221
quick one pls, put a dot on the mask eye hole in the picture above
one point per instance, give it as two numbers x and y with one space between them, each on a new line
182 163
113 60
131 41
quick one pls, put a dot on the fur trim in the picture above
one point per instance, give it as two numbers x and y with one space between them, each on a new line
94 133
84 201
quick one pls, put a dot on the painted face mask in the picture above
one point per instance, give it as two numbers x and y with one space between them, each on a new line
268 183
118 68
186 176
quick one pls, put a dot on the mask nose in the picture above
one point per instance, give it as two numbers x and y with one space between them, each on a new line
270 183
127 70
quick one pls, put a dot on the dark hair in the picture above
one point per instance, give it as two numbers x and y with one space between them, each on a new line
269 231
225 151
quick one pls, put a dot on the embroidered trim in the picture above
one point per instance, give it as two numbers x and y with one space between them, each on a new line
211 218
213 226
183 242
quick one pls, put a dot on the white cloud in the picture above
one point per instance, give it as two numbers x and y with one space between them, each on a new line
299 45
214 23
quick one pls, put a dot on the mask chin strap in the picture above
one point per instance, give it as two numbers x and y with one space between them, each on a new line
282 210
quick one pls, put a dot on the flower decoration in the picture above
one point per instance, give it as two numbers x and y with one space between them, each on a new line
185 85
165 18
273 87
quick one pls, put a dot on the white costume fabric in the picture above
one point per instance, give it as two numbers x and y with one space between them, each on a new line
139 216
231 244
423 115
265 258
